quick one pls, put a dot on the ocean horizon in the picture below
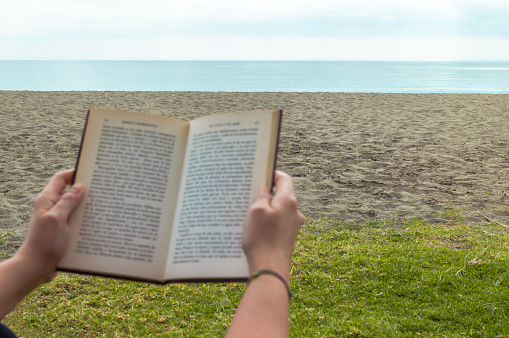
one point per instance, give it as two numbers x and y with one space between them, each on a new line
485 77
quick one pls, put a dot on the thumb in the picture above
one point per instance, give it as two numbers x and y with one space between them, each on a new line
69 201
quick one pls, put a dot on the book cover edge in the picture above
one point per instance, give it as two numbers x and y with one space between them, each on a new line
154 280
85 127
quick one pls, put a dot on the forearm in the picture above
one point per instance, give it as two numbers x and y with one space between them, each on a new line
263 311
17 279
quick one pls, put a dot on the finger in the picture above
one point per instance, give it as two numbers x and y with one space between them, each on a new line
53 190
58 182
284 187
69 201
262 198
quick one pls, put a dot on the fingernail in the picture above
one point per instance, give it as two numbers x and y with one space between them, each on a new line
76 189
263 191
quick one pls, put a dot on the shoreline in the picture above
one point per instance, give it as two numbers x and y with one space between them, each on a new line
353 156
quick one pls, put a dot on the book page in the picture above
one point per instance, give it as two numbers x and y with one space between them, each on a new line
130 165
228 158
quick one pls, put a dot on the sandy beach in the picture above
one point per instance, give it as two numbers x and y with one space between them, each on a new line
357 157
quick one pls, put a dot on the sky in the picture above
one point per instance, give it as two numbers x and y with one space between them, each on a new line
396 30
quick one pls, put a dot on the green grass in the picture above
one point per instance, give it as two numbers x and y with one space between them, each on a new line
398 278
3 254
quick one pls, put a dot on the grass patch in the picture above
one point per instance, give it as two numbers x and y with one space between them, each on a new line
453 215
402 280
398 278
3 251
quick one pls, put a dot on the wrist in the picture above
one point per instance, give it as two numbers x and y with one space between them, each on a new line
281 266
272 274
34 268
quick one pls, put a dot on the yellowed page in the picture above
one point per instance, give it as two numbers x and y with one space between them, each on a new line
130 165
228 158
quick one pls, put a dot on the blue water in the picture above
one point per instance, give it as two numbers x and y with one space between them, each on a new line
257 76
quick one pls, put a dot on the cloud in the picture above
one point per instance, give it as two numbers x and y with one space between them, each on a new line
34 18
62 27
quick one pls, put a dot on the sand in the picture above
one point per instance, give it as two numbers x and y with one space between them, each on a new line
358 157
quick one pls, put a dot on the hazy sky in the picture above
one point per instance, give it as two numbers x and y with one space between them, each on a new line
255 29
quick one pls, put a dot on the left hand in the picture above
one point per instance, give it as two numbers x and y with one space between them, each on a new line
48 232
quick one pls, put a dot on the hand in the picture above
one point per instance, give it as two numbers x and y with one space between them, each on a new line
48 232
271 228
36 261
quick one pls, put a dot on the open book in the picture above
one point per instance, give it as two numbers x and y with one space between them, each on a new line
166 199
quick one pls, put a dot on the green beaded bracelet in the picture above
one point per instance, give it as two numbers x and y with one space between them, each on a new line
271 273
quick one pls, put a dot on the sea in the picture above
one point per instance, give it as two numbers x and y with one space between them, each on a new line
257 76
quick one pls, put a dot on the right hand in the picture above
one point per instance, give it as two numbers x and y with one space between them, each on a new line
271 228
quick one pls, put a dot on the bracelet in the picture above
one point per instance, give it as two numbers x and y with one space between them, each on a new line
271 273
